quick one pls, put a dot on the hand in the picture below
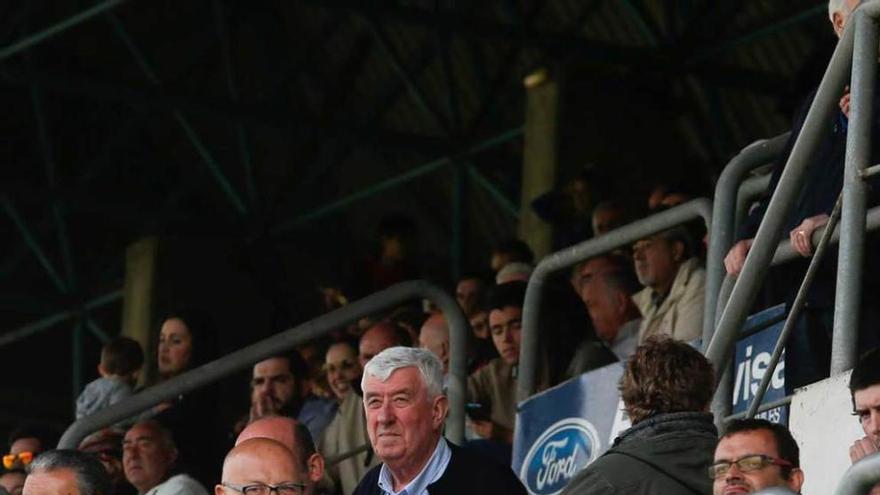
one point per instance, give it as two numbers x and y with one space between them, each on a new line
736 257
861 448
262 406
802 235
844 102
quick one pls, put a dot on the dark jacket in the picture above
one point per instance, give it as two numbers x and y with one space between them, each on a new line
466 473
667 454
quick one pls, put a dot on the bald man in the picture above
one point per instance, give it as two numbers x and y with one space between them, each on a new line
434 336
260 461
296 437
379 337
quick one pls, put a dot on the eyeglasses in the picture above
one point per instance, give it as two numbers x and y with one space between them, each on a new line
264 489
9 460
746 464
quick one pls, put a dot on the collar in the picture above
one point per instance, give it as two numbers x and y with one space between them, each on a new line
433 470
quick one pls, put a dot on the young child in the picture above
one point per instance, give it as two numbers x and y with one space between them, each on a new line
121 362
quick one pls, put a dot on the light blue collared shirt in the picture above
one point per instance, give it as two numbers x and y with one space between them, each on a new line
432 472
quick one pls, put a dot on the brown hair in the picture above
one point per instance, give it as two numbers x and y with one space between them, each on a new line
665 376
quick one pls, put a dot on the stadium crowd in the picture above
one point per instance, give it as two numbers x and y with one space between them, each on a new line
362 411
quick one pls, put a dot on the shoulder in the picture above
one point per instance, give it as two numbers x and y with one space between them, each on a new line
181 484
369 484
590 481
642 298
477 473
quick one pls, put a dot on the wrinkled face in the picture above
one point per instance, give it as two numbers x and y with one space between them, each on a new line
272 379
867 409
744 444
403 421
604 308
60 481
590 270
175 347
467 293
342 367
12 481
505 325
146 459
656 261
480 325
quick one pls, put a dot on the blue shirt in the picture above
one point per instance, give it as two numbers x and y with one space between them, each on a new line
432 472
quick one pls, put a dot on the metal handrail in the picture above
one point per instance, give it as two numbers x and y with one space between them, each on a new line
243 358
724 215
860 477
624 236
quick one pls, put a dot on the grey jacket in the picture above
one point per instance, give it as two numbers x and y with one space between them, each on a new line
101 393
667 454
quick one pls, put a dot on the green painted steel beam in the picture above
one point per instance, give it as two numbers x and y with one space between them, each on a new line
97 331
508 205
393 182
32 244
457 241
189 131
648 33
77 357
59 27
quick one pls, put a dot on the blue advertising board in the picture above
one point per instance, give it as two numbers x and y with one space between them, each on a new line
751 362
561 430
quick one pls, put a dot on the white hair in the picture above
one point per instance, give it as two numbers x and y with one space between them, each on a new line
395 358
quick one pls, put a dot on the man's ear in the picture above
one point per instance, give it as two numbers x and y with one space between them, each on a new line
796 480
218 490
838 21
439 410
316 467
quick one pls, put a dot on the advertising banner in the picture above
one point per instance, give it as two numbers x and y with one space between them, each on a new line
752 359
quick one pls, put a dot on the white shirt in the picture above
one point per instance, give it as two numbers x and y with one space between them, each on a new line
432 472
180 484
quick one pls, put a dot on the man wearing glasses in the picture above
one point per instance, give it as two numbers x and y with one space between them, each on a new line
754 454
260 466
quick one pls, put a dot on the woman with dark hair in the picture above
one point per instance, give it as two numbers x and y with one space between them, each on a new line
187 340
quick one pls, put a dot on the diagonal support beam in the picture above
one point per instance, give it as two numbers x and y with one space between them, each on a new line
191 134
32 243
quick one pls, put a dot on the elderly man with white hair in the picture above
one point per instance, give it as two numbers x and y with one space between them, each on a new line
406 407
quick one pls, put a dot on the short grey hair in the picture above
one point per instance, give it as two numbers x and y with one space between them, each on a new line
395 358
91 476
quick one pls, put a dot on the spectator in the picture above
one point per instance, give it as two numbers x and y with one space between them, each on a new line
261 462
348 430
26 442
754 454
187 339
295 436
808 351
607 286
608 216
342 367
434 337
12 480
279 386
666 388
672 301
515 271
481 350
864 386
121 362
67 472
406 409
470 292
510 251
149 458
106 446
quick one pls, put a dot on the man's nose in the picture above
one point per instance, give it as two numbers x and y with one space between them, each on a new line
385 414
873 427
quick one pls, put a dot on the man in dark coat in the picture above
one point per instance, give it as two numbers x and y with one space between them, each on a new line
666 389
405 407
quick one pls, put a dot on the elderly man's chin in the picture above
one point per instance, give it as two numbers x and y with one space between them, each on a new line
390 447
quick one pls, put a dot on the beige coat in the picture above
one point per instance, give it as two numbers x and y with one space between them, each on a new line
494 386
347 432
680 315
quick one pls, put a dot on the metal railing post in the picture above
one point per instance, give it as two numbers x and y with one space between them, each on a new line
243 358
724 209
852 225
860 477
823 108
624 236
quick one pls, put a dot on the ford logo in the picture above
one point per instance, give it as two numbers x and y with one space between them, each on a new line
558 455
